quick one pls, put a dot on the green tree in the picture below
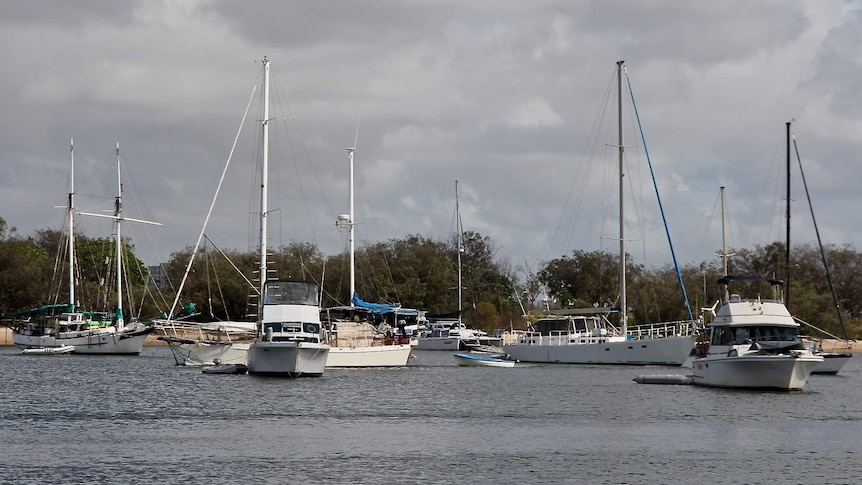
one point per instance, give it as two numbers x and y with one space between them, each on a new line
588 276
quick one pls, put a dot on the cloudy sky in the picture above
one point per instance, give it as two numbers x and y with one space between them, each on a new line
507 96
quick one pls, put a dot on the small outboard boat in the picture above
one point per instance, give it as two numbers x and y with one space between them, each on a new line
62 349
482 360
220 368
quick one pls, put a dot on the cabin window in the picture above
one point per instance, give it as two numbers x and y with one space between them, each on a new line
284 326
776 334
580 324
551 326
722 336
747 335
743 335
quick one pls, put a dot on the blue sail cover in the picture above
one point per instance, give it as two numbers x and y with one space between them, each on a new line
382 308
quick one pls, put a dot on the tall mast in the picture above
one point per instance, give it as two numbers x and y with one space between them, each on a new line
118 217
350 154
724 254
787 215
460 246
71 209
622 149
263 183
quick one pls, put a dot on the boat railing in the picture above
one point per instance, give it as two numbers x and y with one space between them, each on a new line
680 328
561 338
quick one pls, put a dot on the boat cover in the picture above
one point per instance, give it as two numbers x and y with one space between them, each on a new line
382 308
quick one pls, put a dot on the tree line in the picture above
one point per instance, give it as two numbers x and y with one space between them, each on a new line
419 272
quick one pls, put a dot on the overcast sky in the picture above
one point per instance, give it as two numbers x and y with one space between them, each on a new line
503 95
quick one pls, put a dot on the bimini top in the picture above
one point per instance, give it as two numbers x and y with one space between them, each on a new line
727 279
382 308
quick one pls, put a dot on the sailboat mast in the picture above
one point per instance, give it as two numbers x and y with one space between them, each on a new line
263 183
460 246
787 215
72 225
118 217
724 254
820 243
623 316
350 156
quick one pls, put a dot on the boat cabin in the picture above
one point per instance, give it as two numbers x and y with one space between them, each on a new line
291 312
570 330
586 326
768 338
46 321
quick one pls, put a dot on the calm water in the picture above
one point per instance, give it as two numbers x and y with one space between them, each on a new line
91 419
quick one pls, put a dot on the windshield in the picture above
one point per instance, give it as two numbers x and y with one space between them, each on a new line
290 293
747 335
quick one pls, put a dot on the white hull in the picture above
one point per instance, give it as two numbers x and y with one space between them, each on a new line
101 341
474 361
287 359
659 351
370 356
206 353
832 362
202 353
780 372
237 353
202 344
229 353
438 343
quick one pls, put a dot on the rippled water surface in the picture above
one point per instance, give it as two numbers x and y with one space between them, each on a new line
105 419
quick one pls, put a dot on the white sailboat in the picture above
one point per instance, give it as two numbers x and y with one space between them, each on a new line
449 332
567 340
353 339
214 342
754 343
206 343
64 326
289 342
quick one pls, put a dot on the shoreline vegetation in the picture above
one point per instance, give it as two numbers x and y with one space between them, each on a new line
499 292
